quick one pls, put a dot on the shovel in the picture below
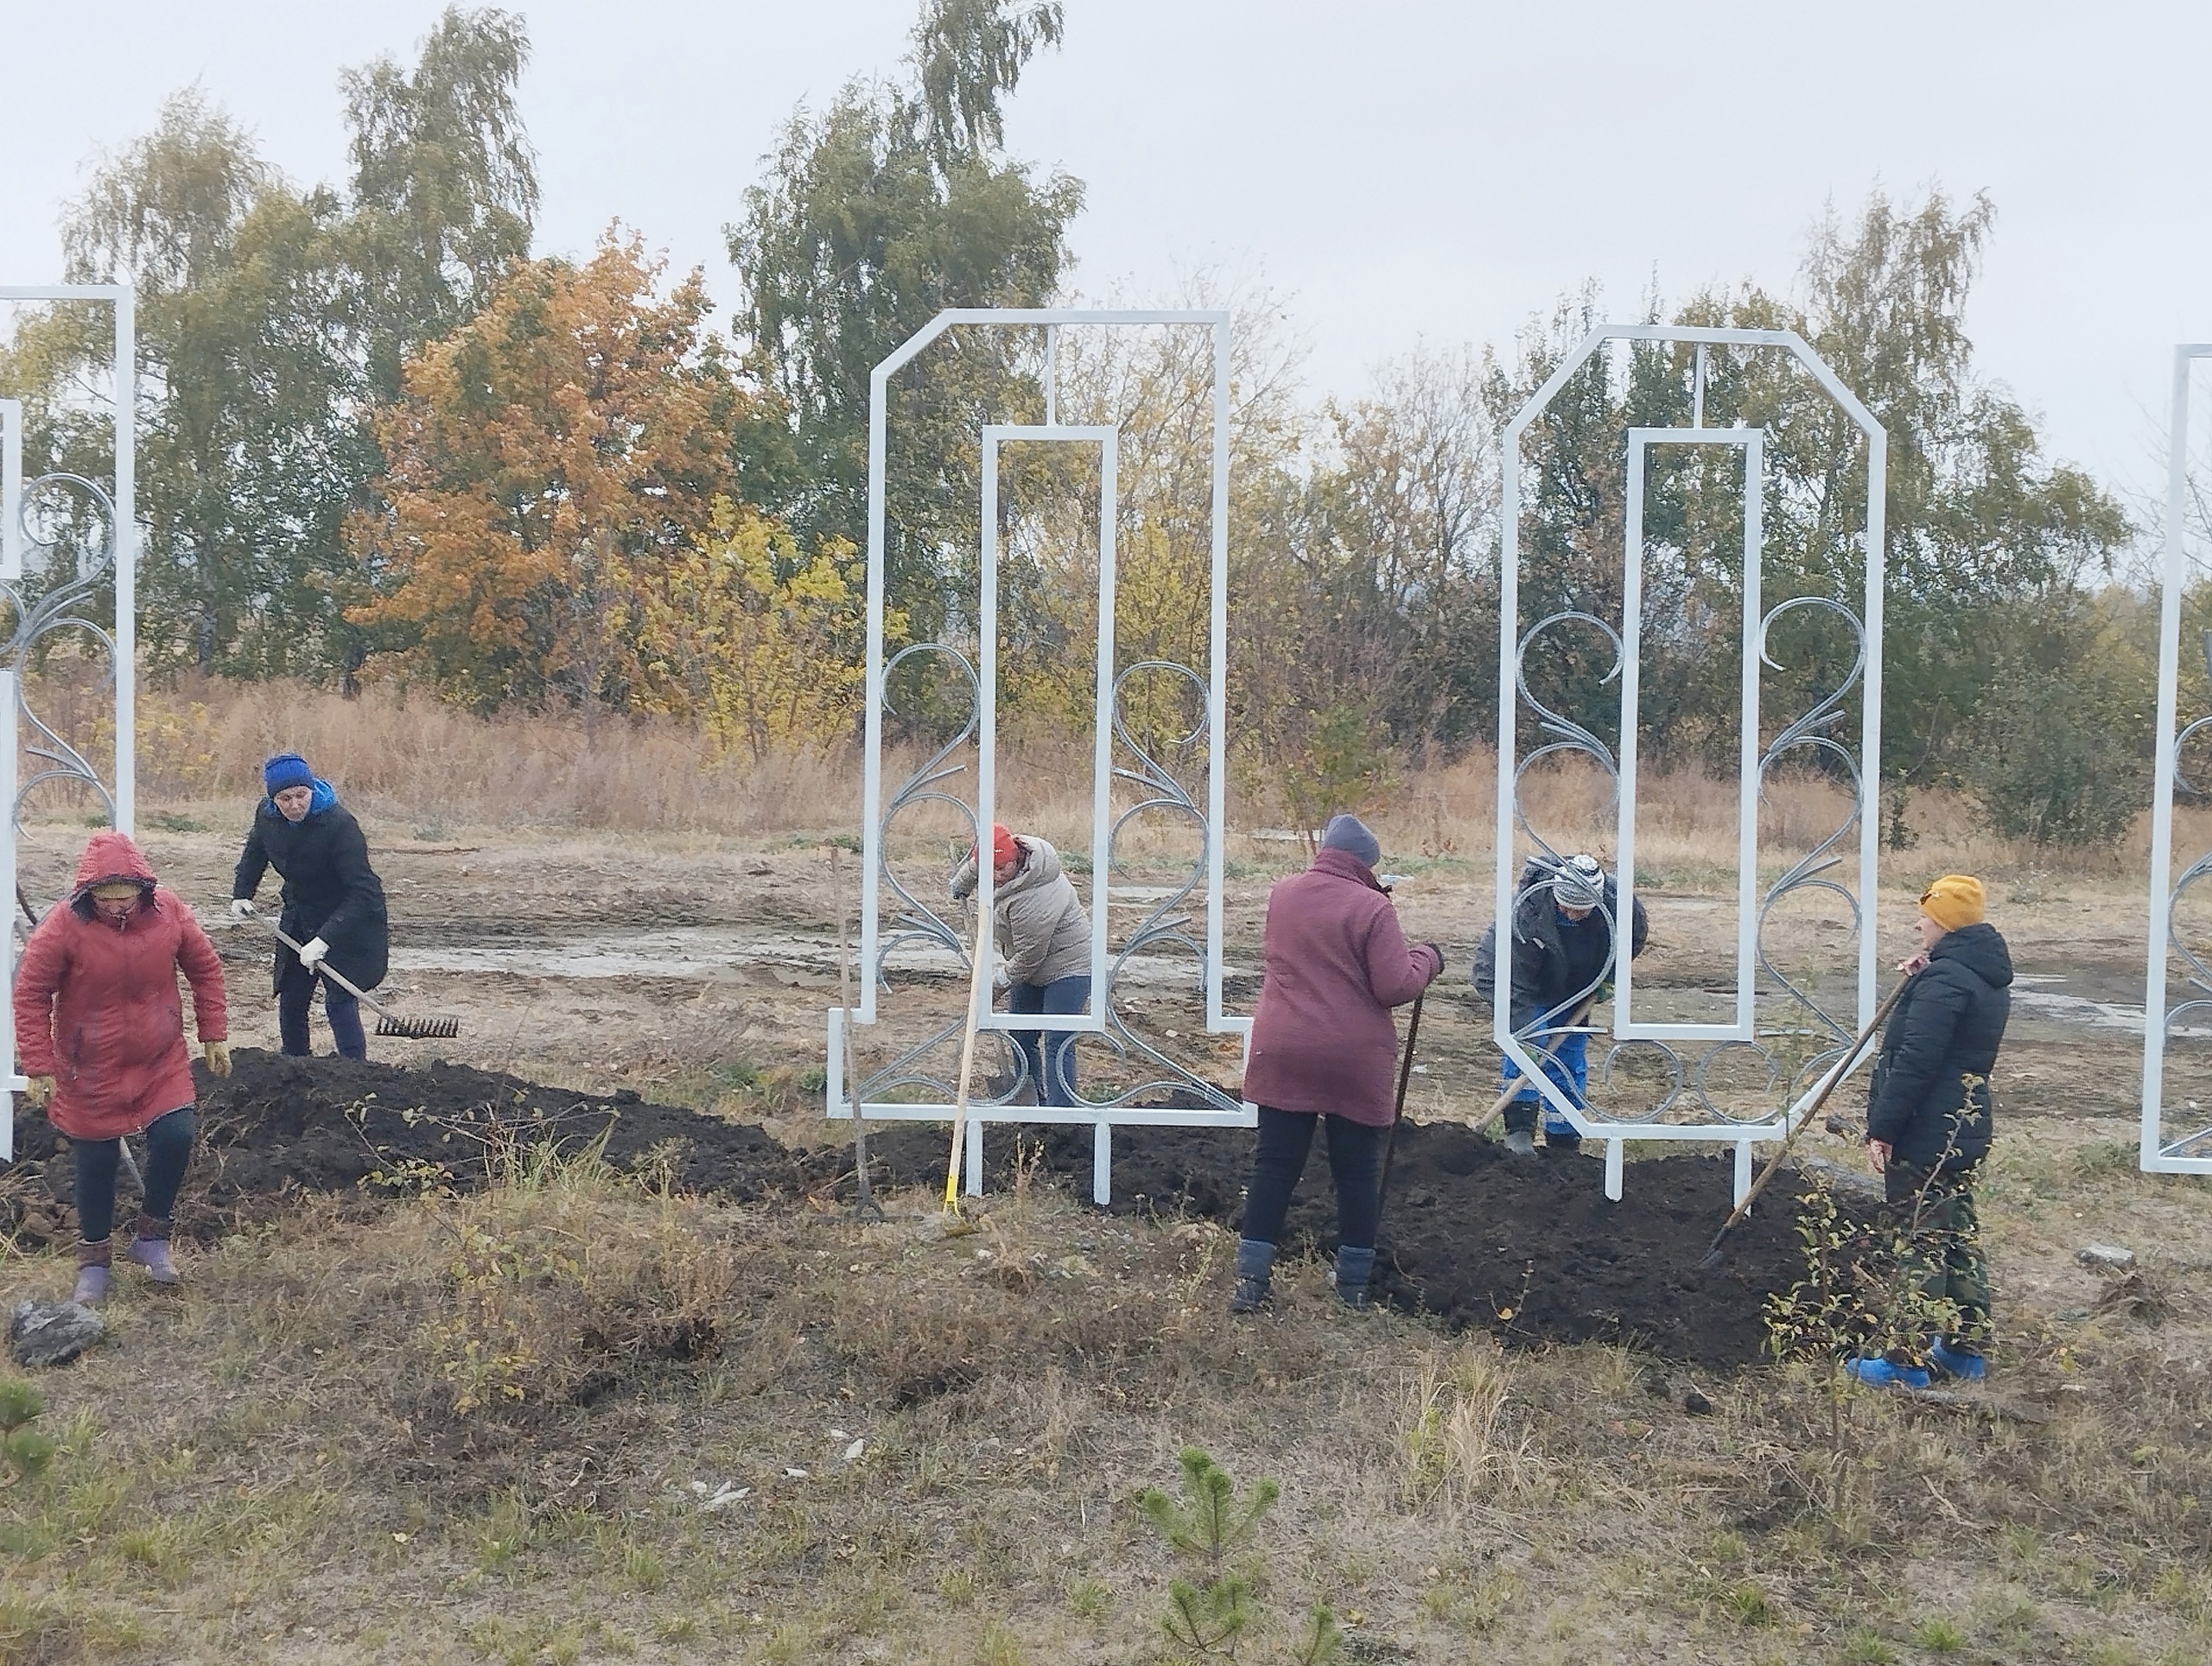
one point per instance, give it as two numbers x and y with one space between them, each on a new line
437 1027
1405 1076
865 1205
1843 1067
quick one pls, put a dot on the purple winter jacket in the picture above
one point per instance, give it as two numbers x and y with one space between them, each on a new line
1336 963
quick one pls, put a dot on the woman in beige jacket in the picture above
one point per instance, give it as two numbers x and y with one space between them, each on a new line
1044 931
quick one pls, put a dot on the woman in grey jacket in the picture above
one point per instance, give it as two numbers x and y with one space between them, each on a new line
1044 931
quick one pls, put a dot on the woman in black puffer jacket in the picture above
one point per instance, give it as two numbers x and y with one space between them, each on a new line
333 902
1928 1121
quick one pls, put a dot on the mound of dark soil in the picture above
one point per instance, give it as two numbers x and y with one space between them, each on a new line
278 1128
1530 1250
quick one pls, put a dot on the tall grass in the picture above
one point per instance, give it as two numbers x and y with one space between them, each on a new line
407 759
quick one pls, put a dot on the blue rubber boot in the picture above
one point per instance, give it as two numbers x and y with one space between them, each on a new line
1956 1362
1354 1269
1878 1373
1255 1266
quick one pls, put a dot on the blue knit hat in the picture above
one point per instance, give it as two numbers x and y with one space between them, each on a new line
286 769
1349 834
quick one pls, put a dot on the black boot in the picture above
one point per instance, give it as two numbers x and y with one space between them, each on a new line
1354 1269
1255 1266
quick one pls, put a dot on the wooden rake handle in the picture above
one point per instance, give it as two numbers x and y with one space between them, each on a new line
324 969
1513 1088
1843 1068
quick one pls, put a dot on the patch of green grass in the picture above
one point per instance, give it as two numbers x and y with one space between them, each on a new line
957 1587
1866 1648
642 1568
1091 1598
2105 1157
168 821
1747 1602
1940 1637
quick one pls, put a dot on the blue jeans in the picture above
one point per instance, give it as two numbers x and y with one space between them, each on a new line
1568 1066
1051 1067
168 1146
293 997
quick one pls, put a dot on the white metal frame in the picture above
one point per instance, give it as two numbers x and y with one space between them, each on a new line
11 491
1616 1134
16 1082
1108 440
1752 442
121 302
122 299
2157 1154
994 436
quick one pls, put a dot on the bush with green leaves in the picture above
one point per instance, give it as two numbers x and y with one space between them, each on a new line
1209 1619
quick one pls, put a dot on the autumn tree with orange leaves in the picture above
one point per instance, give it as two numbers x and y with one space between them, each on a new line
550 464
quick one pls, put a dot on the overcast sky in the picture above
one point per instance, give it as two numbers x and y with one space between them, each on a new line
1398 172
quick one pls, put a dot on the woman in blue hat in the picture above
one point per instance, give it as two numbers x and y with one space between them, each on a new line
333 902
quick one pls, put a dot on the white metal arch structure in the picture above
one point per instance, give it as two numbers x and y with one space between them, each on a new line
58 609
1676 1117
924 1096
2187 1153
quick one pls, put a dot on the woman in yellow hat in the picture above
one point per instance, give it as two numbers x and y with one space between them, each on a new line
1927 1125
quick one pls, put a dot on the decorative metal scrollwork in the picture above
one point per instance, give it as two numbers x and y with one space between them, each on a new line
1688 1082
59 609
1165 925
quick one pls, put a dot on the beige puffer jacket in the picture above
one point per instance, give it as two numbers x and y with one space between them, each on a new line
1042 926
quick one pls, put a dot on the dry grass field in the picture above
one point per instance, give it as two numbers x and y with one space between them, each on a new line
424 1429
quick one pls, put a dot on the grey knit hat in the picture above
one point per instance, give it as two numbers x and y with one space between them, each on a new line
1579 882
1349 834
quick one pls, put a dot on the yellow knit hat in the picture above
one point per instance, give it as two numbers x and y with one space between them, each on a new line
1956 899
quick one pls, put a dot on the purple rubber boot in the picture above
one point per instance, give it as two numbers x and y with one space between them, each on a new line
150 1250
93 1277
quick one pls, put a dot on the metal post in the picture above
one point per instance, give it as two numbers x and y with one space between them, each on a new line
127 560
16 1083
2152 1155
11 491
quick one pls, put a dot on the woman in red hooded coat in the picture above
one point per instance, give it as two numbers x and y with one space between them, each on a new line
99 1028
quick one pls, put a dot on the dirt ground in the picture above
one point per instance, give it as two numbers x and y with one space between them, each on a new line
904 1446
699 974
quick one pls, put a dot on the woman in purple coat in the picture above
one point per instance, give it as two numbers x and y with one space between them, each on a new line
1324 1047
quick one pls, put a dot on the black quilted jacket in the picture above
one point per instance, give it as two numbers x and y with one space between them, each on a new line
1930 1096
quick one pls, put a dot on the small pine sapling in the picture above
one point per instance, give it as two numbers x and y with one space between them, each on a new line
1207 1522
25 1450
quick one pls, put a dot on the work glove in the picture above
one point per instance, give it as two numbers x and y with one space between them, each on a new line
40 1092
217 1055
242 907
313 952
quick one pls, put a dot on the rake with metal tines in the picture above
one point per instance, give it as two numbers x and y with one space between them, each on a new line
437 1027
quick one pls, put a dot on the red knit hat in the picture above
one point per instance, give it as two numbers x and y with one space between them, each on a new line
1004 849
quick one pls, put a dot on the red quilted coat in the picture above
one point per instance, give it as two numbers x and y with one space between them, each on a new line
97 1005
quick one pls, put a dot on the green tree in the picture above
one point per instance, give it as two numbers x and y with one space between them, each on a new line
896 203
1989 543
272 321
444 185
